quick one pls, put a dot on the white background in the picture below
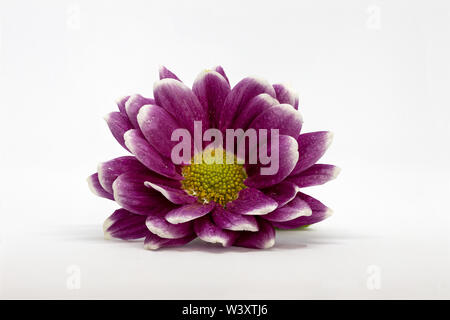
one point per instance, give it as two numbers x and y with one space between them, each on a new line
376 73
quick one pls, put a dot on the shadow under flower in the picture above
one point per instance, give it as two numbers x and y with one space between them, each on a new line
285 239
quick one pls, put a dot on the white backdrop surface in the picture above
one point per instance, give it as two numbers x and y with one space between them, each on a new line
376 73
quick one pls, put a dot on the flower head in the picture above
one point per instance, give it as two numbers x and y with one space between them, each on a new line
173 189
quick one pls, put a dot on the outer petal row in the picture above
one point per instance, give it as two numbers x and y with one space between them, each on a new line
159 226
209 232
311 147
319 213
109 171
316 175
118 123
153 242
131 194
251 201
96 188
232 221
286 95
125 225
294 209
148 155
263 239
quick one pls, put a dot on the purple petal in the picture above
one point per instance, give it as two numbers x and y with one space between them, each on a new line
294 209
159 226
282 192
148 155
118 123
252 109
236 222
133 105
311 147
286 95
173 194
131 193
108 171
239 96
316 175
96 188
209 232
121 104
263 239
189 212
157 126
252 202
179 101
211 89
125 225
153 242
220 70
282 117
288 157
165 73
319 213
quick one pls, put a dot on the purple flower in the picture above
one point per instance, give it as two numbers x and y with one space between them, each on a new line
171 204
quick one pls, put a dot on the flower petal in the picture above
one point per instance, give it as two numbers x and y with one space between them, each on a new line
220 70
121 104
311 147
133 105
189 212
131 194
282 192
209 232
153 242
231 221
316 175
165 73
294 209
288 157
179 101
173 194
319 213
159 226
211 89
239 96
282 117
252 109
148 155
263 239
96 188
118 123
108 171
251 201
286 95
157 126
125 225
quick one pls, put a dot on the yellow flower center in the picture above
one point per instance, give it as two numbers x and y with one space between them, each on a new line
214 175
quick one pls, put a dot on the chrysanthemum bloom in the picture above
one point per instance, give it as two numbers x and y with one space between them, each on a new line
231 203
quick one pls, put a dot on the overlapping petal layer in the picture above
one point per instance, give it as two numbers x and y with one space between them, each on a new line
125 225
